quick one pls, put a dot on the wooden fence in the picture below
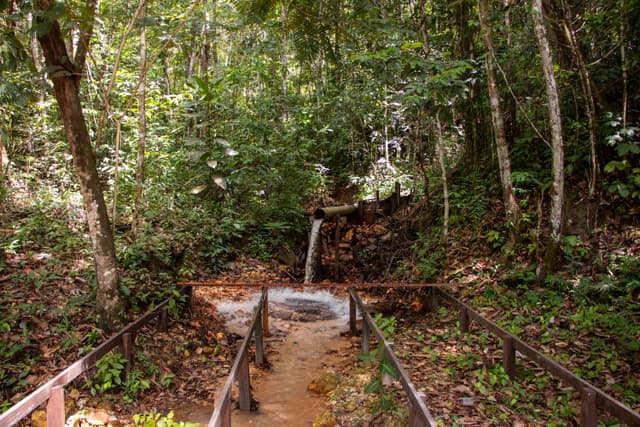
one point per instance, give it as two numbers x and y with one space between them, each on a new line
240 371
52 392
419 415
592 397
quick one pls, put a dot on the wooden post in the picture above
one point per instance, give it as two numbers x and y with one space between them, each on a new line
366 337
336 267
589 410
244 385
415 420
127 352
352 314
55 407
259 341
265 316
432 302
164 320
187 291
396 197
223 401
226 417
464 321
509 356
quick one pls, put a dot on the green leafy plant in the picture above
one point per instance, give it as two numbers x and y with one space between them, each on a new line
386 397
135 384
154 419
108 373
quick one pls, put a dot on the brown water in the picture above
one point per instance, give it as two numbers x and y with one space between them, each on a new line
298 352
281 391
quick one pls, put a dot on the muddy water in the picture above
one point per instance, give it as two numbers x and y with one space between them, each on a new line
302 356
303 346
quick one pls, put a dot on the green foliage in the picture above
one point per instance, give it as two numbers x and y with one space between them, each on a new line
386 396
108 373
430 254
623 177
154 419
489 378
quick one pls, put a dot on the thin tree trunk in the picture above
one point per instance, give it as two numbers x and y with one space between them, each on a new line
142 124
623 60
445 186
557 145
497 119
65 76
590 105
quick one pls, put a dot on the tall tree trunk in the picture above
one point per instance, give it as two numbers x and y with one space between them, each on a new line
497 119
445 185
65 76
587 88
142 124
557 145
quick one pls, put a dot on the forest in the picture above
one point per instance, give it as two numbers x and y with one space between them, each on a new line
147 144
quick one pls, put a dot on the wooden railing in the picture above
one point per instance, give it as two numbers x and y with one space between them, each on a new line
52 392
593 398
240 370
419 415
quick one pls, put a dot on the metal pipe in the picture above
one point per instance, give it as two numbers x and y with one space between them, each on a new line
332 211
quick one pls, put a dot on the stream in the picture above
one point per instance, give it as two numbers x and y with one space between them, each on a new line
308 337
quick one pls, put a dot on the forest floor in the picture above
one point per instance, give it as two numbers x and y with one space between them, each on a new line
46 325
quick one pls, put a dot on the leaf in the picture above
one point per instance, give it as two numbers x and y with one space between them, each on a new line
212 163
222 142
231 152
195 155
198 189
220 181
373 386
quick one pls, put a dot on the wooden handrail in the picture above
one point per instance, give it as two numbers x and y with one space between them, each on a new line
591 394
240 370
422 415
23 408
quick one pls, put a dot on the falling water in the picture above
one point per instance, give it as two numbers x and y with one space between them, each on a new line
309 268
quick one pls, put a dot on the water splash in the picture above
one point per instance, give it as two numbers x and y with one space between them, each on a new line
286 298
314 238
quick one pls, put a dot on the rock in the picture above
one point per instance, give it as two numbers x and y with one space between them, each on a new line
325 419
39 418
325 384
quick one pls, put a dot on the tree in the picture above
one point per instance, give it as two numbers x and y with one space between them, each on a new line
497 119
557 145
66 74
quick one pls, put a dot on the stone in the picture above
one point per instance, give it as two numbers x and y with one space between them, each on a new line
39 418
325 419
326 383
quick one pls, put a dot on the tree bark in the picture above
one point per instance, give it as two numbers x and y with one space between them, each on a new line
65 76
587 89
557 145
142 124
497 119
443 174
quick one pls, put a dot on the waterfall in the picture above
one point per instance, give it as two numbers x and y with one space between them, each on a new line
309 268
